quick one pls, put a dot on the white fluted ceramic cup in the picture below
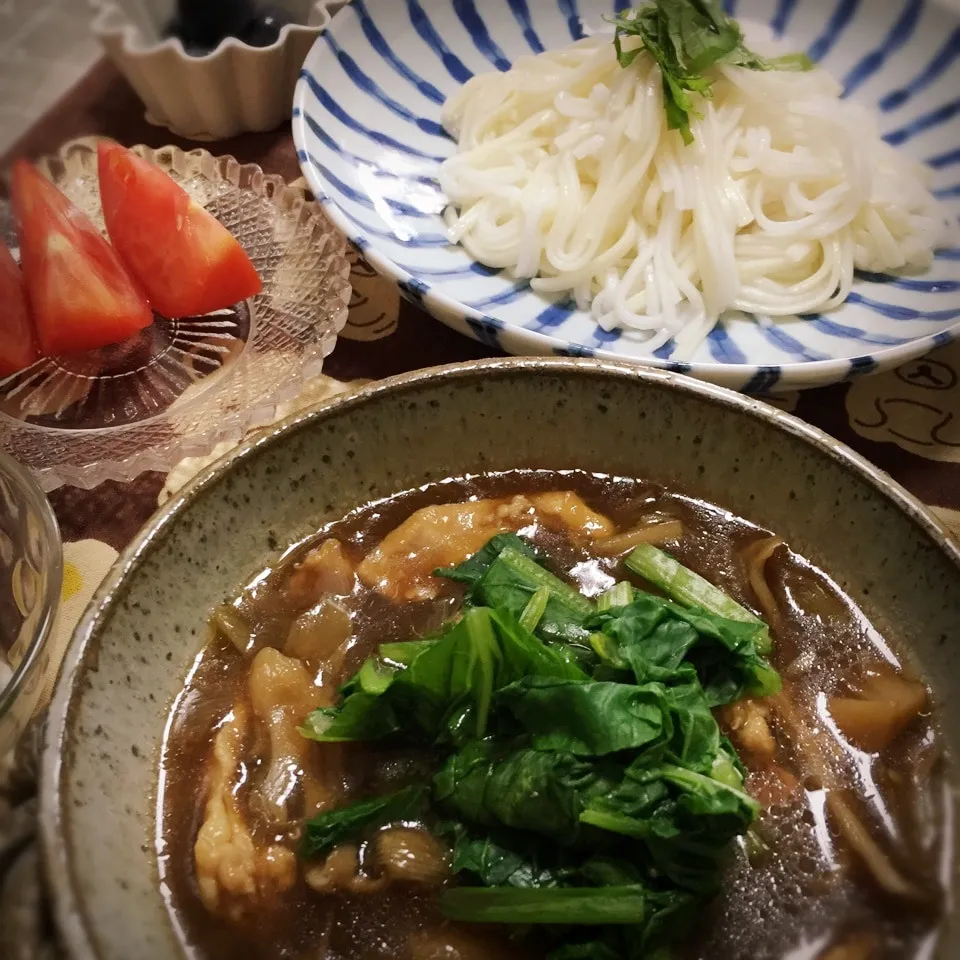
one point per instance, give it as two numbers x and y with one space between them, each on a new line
234 89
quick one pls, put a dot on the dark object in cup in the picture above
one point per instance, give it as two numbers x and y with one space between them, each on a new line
264 29
202 24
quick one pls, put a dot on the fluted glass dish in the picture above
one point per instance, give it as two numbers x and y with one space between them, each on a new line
184 385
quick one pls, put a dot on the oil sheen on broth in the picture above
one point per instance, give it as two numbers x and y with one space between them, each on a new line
846 762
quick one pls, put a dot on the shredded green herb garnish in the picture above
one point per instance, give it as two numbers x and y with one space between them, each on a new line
687 37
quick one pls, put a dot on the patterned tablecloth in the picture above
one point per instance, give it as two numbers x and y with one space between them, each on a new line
906 421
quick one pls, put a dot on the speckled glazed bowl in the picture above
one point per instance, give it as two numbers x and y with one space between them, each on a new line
145 625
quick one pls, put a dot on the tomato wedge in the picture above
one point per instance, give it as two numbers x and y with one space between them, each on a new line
185 260
18 345
79 292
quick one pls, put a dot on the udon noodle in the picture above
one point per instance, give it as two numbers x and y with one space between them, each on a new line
568 174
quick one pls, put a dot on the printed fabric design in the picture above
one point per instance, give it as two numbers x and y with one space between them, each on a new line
916 406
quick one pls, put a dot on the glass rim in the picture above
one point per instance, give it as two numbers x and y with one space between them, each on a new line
40 504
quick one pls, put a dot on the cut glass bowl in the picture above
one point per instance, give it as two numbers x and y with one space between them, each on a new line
182 386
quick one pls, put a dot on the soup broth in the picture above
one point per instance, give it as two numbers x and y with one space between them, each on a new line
850 856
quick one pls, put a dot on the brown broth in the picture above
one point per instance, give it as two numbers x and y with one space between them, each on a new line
804 895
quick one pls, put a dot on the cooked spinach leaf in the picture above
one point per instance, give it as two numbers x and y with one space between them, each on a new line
507 576
443 691
685 819
472 570
513 861
588 719
525 655
654 637
691 590
512 581
491 784
403 654
594 906
333 827
361 716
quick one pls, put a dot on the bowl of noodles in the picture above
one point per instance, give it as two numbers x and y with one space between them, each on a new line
768 202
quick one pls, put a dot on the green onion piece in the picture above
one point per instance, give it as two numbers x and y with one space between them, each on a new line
689 589
534 610
403 654
756 847
619 595
593 906
375 677
723 771
606 649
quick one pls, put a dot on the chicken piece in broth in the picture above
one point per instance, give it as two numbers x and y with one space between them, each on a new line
325 570
282 693
747 722
566 511
340 873
401 567
233 871
319 638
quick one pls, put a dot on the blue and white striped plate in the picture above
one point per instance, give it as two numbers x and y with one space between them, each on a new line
366 127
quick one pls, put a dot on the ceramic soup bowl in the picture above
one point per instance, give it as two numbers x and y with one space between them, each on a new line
146 624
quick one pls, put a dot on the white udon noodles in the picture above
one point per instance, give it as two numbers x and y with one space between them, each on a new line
567 173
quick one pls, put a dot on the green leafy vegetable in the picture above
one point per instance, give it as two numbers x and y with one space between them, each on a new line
656 639
403 654
535 609
585 905
510 584
685 819
513 862
361 716
685 38
471 571
582 781
691 590
443 690
493 785
526 655
586 719
506 576
327 830
375 677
